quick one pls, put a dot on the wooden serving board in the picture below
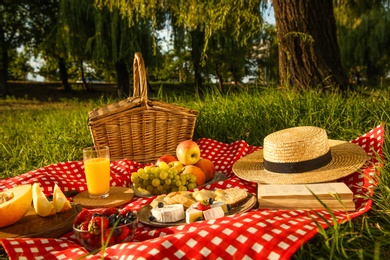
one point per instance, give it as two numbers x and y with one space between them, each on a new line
32 225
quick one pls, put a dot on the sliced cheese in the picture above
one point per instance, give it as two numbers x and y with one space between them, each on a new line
169 213
193 215
221 204
213 213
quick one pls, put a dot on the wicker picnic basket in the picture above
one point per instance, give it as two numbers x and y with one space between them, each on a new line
139 128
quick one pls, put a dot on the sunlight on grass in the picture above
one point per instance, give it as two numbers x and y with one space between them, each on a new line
35 134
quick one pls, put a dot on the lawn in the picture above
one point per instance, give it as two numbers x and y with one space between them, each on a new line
35 133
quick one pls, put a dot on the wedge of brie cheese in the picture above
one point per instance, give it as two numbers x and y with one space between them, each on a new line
168 213
193 215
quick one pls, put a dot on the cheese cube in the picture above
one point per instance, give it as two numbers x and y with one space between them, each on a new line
193 215
213 213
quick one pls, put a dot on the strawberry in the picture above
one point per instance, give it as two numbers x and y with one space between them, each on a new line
94 241
84 215
98 223
108 238
83 226
203 205
110 211
125 231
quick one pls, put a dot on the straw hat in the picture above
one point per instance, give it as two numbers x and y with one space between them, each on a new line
300 155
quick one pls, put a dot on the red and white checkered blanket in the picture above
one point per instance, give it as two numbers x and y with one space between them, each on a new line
256 234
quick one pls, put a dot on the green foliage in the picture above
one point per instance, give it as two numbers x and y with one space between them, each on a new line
364 39
18 68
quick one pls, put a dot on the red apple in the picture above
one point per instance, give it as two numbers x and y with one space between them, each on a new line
197 172
176 164
207 167
166 158
188 152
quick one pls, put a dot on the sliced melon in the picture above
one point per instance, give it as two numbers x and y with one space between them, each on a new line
43 207
14 204
60 202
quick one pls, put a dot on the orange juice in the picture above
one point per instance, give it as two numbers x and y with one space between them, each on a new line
97 173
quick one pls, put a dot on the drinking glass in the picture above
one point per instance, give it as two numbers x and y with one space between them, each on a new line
97 171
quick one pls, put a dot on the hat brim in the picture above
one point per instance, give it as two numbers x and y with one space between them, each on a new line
347 158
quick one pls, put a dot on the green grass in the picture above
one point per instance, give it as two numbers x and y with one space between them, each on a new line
34 134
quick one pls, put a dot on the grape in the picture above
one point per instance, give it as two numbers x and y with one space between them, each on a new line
191 186
192 178
136 181
146 183
155 170
164 175
173 171
182 188
163 166
156 182
147 168
162 179
150 188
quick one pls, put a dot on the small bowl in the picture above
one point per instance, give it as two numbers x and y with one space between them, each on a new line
113 235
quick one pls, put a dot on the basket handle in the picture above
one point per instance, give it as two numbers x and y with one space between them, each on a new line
140 88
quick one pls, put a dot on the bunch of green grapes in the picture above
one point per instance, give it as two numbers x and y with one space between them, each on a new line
162 179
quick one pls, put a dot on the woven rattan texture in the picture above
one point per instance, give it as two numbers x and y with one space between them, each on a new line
138 128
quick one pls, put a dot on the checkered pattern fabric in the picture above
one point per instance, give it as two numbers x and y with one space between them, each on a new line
256 234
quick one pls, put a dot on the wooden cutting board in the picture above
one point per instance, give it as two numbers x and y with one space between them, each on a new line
32 225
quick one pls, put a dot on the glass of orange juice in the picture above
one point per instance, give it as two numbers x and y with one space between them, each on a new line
97 171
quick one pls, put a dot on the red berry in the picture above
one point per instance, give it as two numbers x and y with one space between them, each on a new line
203 205
84 225
94 241
108 238
125 231
98 223
84 215
110 211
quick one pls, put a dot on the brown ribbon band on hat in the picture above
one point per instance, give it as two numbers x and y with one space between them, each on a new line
297 167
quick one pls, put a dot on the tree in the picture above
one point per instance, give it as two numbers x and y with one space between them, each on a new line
18 65
364 40
100 36
309 53
13 24
201 19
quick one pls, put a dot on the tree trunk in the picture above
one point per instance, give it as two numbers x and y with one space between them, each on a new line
220 79
3 65
197 41
309 54
64 74
123 79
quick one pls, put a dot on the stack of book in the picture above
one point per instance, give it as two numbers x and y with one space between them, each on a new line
336 196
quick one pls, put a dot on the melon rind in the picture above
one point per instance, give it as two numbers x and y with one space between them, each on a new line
13 210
